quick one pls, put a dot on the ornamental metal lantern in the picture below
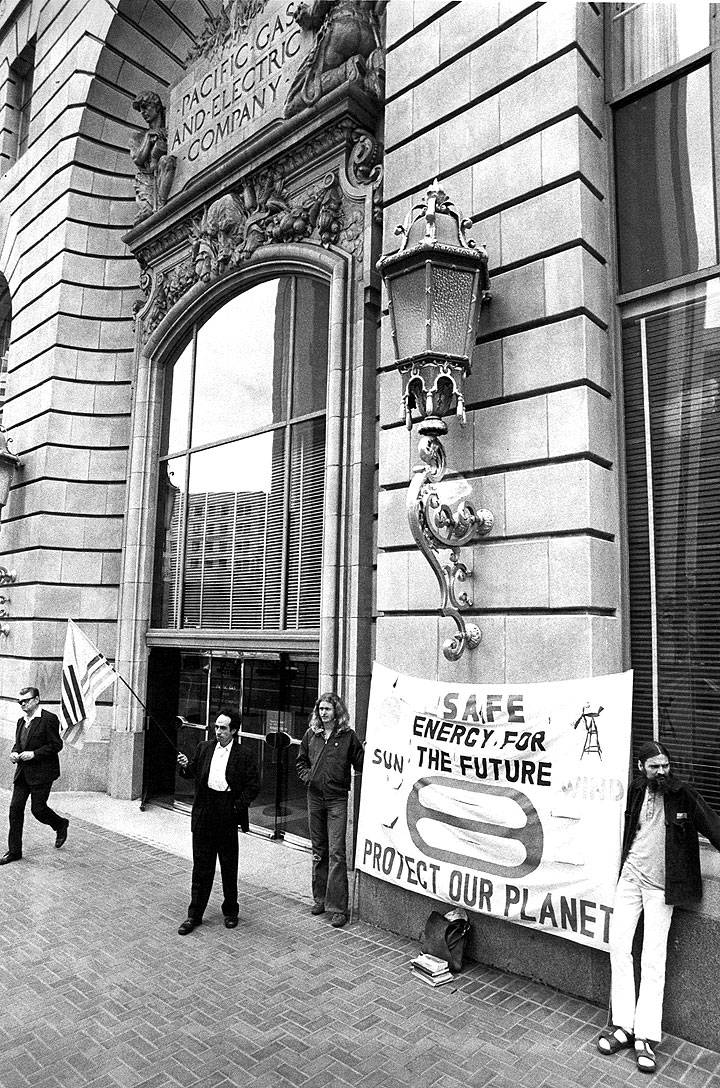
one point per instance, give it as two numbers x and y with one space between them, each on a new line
436 282
8 464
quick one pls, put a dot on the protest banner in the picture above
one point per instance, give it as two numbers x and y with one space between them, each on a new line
507 800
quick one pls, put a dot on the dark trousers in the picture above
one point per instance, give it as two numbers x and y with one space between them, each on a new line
216 836
328 828
38 806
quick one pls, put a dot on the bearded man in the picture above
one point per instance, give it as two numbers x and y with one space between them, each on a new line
660 868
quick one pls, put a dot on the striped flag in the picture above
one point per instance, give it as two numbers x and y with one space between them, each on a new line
85 675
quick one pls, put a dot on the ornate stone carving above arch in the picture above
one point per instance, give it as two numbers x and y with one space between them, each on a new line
324 188
260 212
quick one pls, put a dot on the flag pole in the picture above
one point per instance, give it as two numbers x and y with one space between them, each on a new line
142 704
132 691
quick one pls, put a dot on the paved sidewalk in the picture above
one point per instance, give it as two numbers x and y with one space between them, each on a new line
99 991
275 865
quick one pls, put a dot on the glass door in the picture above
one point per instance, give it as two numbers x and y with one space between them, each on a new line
278 694
274 692
192 717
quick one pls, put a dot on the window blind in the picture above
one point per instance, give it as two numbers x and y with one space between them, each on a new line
258 551
672 377
305 524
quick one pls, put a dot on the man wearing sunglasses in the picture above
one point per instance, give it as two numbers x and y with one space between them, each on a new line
35 755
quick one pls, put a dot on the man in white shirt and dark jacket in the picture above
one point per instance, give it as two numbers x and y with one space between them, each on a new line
660 868
226 779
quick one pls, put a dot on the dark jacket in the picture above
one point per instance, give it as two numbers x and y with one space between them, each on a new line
241 775
686 813
324 766
44 740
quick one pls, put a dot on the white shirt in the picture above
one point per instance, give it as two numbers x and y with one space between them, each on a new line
218 766
35 714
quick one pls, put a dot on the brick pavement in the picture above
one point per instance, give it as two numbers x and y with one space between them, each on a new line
100 992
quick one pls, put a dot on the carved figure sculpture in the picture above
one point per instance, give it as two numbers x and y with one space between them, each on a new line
148 150
347 49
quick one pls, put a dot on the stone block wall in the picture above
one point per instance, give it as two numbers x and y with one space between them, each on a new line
64 207
504 104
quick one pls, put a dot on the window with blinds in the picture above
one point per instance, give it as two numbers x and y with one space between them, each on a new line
671 359
240 508
305 523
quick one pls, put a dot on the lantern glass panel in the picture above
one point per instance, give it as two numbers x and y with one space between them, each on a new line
452 290
409 308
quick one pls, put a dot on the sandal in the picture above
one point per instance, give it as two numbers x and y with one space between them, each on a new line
612 1039
644 1057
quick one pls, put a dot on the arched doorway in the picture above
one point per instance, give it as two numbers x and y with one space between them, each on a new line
239 537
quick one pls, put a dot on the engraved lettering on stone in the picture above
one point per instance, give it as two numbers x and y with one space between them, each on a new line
236 88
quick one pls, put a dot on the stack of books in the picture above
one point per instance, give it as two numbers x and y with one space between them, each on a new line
431 969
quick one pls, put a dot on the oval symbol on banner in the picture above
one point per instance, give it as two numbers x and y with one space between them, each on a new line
456 822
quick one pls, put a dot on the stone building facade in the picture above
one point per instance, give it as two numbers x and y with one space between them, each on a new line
184 185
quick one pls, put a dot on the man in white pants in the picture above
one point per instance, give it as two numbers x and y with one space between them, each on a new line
660 868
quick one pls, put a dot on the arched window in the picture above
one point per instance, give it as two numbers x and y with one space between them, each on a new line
239 527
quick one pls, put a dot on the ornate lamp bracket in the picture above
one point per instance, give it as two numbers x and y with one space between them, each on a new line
440 529
436 283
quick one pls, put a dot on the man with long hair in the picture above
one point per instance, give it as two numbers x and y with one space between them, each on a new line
660 867
328 751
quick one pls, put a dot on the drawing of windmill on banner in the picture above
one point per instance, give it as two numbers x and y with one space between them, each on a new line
86 673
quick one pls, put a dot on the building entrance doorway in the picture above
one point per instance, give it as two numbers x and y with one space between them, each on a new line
273 692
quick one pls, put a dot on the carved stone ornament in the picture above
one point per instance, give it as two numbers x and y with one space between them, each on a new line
347 49
364 160
148 150
229 26
170 286
145 285
261 212
174 237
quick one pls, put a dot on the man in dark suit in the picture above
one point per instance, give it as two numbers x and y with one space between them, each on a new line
35 755
226 779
